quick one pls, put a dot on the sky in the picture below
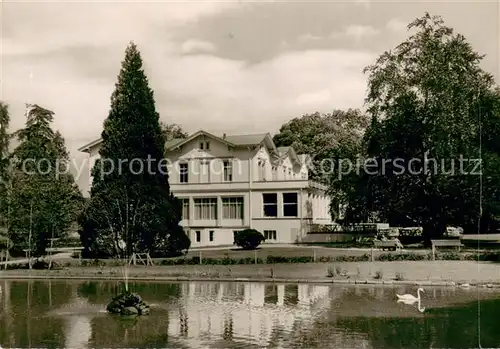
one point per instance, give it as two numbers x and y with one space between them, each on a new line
222 66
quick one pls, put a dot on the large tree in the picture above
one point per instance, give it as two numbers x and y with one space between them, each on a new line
429 99
44 199
172 131
5 178
329 139
131 208
323 136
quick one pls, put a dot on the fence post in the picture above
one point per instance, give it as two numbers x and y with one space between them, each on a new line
255 256
433 252
314 255
201 260
372 254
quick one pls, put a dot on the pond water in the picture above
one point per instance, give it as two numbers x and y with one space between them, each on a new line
55 314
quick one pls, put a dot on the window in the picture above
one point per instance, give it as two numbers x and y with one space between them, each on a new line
204 171
201 145
232 208
207 145
183 173
211 235
262 170
185 208
270 205
270 234
228 171
198 236
205 208
290 205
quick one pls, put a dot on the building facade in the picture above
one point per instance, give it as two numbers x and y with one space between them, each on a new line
235 182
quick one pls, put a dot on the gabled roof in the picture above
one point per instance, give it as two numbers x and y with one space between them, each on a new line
290 152
252 139
243 140
86 147
195 135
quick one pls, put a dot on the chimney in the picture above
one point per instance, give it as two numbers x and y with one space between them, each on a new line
224 136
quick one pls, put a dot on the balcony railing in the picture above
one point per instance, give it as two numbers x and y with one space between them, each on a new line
317 185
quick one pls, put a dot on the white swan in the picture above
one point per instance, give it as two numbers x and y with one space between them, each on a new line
420 308
409 297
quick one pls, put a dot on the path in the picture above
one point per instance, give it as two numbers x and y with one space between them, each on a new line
55 256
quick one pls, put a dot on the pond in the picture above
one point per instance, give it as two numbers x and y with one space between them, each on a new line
71 314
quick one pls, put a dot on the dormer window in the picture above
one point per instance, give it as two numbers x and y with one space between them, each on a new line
205 145
201 145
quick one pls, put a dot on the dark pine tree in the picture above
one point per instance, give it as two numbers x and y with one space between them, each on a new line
131 208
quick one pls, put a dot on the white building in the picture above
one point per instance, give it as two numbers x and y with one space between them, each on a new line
230 183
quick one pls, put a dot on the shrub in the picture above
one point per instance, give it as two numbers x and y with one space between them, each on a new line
379 274
280 259
176 243
388 257
248 239
43 264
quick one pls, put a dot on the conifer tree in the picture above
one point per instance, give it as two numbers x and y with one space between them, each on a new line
131 208
45 199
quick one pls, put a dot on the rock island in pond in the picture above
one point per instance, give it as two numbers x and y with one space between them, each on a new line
128 304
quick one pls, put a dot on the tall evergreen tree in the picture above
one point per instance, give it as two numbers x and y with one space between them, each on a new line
131 208
44 197
4 140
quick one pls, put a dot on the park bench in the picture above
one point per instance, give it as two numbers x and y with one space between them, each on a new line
52 250
73 250
388 244
445 243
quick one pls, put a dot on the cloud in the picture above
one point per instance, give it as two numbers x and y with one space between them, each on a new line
235 96
49 26
365 3
308 37
314 98
356 32
197 46
396 25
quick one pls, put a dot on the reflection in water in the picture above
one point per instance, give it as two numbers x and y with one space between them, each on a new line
78 331
247 312
412 302
214 315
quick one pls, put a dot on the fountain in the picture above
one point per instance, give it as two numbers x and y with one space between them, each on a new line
127 303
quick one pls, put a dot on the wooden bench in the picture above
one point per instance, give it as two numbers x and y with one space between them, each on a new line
445 243
388 244
52 250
